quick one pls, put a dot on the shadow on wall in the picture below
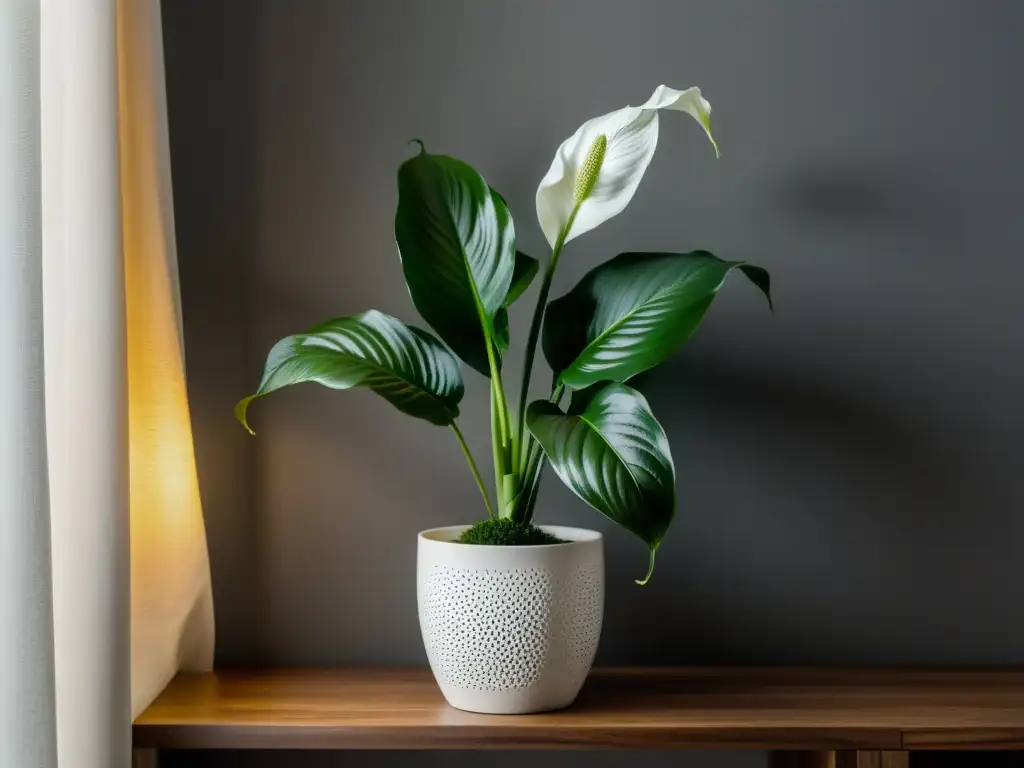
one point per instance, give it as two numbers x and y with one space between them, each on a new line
877 193
869 442
774 469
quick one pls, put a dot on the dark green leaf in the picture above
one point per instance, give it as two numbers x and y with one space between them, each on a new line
581 398
456 240
615 456
501 336
632 312
525 270
405 365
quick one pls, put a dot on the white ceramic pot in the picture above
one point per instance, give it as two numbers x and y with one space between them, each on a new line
510 630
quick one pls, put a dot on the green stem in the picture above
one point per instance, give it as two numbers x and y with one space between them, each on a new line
499 442
473 469
535 466
496 450
556 394
531 343
533 473
499 393
500 438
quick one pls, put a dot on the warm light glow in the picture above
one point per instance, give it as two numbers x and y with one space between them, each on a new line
172 609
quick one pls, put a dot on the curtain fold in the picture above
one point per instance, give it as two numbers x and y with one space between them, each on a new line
27 714
104 573
86 381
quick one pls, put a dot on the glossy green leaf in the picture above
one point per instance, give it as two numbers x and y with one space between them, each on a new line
526 268
615 456
456 240
632 312
405 365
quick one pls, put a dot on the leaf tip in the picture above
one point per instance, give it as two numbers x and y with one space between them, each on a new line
650 568
760 277
240 413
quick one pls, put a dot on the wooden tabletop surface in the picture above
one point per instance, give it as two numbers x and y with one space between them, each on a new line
778 708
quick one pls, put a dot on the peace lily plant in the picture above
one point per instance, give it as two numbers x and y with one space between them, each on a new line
457 244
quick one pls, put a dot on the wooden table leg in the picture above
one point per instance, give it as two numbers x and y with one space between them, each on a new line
847 758
867 758
145 758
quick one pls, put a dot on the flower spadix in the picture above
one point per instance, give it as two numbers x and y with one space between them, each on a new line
596 170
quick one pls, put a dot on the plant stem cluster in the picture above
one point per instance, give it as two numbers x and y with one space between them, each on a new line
518 458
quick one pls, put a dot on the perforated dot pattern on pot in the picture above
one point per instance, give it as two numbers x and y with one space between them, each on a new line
496 630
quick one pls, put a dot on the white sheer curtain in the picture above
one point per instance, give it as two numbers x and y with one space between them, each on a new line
104 578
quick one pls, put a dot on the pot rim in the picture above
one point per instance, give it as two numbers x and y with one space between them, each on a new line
580 536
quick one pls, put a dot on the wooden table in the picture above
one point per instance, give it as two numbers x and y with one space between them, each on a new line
805 717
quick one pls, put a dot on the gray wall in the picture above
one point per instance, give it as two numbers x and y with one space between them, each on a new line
849 470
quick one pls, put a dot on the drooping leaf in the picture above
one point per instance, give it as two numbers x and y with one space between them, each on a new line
526 268
615 456
405 365
630 313
456 240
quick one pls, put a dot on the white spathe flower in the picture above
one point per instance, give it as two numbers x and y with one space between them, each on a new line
619 147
